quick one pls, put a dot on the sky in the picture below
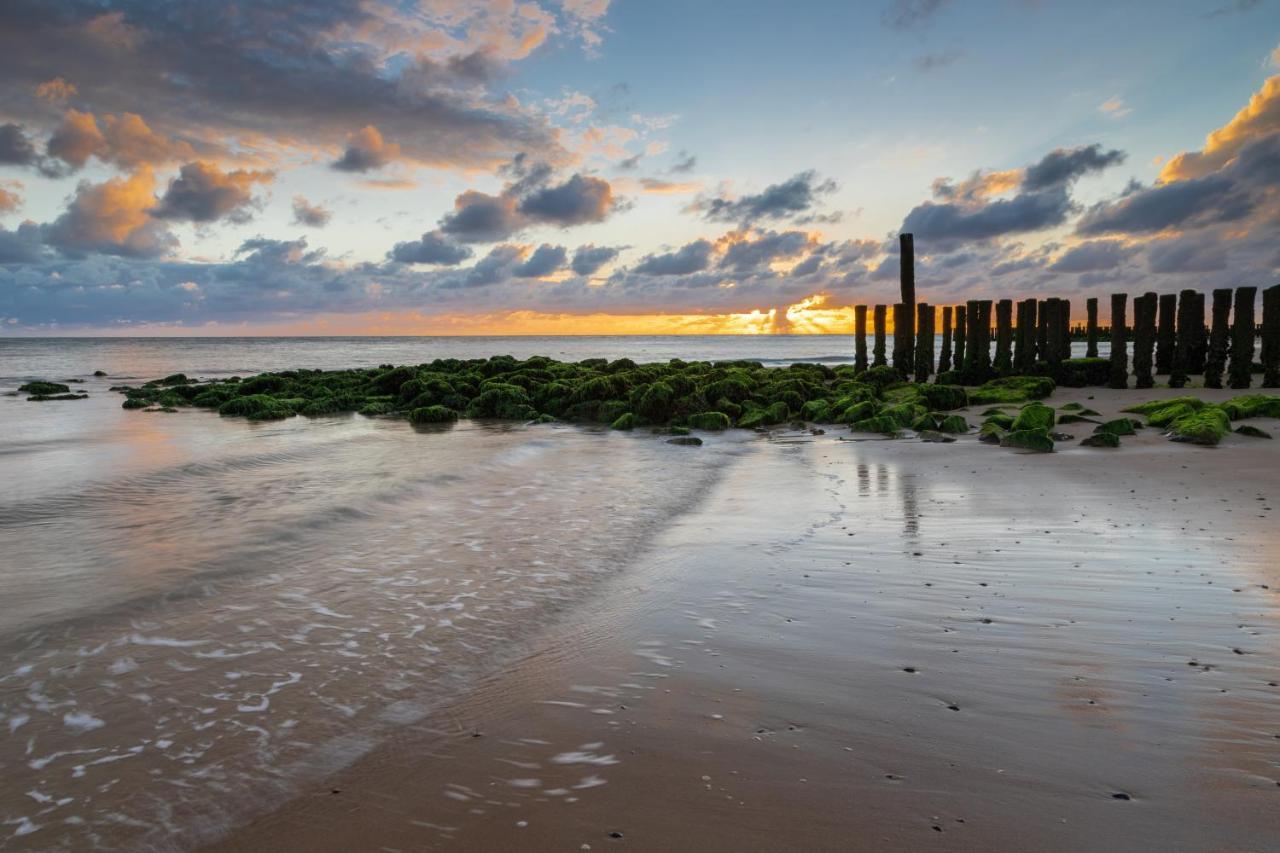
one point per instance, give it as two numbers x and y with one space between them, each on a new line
207 167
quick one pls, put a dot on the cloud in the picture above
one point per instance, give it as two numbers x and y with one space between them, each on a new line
15 148
10 198
112 218
1114 107
492 268
589 259
933 61
431 248
1259 119
911 14
1197 201
545 260
55 91
366 151
1234 7
690 258
309 214
1200 254
125 140
777 201
23 245
1064 165
1025 212
204 193
531 198
748 254
76 139
685 163
1093 256
654 186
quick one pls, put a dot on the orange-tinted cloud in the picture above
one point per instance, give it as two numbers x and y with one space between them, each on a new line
55 91
1259 118
112 217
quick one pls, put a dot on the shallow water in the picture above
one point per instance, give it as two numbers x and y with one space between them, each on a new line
200 614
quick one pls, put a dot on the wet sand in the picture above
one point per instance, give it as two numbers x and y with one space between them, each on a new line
879 645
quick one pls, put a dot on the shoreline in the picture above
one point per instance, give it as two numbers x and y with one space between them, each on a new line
784 645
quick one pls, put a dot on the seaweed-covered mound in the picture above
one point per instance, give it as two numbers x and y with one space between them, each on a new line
1193 420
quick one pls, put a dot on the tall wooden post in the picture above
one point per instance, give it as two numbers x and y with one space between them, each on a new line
1200 352
980 335
907 281
1166 334
1091 348
903 355
877 353
1145 308
1271 337
924 341
860 337
1119 345
1240 373
1042 329
1004 336
1053 332
944 357
1219 338
961 352
1064 320
1024 338
1184 342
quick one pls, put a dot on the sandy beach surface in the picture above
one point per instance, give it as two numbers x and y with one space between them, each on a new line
878 645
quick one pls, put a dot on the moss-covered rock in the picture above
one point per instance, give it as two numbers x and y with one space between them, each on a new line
1101 439
1072 418
991 433
626 421
1000 419
41 387
879 423
1207 426
936 437
432 415
709 421
1038 440
944 398
41 398
256 407
685 441
1252 431
1117 427
1033 416
953 424
1152 406
1012 389
1252 406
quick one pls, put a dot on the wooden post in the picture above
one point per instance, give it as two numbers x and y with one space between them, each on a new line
981 337
1004 336
1145 308
1271 337
924 341
1091 348
1024 338
860 338
1200 351
1053 332
958 358
1119 347
944 357
1184 341
903 355
878 317
907 281
1166 335
1219 338
1064 320
1042 330
1240 372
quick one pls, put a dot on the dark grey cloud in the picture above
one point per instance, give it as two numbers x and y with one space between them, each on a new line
204 193
1201 254
778 201
589 259
690 258
530 199
1026 212
685 163
545 260
1093 256
630 164
15 147
366 150
432 248
491 269
911 14
1234 7
770 246
310 214
289 71
941 59
1064 165
23 245
1203 200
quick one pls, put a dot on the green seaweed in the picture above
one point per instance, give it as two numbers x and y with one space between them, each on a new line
709 421
625 421
42 388
1012 389
1033 416
1071 418
1117 427
991 433
1101 439
432 415
1207 426
1252 406
1252 431
1038 440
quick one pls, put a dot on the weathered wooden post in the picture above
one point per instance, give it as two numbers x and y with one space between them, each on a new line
1119 346
981 337
1166 335
1219 338
1023 341
1271 337
1200 343
1240 373
1064 319
877 353
1053 333
924 341
1042 329
1091 348
1144 339
903 355
907 282
1184 343
958 358
860 337
1004 336
944 357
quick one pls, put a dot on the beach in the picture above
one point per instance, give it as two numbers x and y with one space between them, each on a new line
350 633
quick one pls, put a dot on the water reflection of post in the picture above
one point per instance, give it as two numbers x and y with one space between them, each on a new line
864 480
910 507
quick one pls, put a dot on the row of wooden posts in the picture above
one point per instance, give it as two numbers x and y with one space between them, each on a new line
1168 333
